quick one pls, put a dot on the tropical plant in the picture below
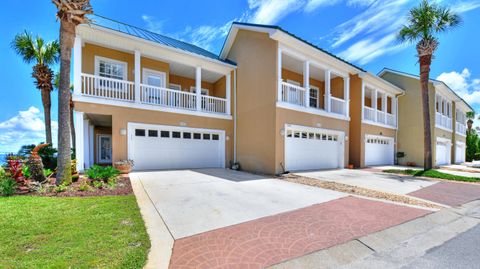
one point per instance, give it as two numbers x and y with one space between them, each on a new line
470 116
15 166
47 172
424 23
472 143
48 155
36 50
35 165
102 173
8 186
70 13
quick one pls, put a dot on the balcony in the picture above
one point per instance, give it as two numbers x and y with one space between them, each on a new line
383 118
379 107
460 128
443 121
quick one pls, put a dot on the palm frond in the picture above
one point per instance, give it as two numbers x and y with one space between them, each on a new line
51 52
23 45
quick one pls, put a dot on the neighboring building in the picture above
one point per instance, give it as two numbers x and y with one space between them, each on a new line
447 117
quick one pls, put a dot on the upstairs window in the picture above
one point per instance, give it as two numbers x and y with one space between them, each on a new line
109 68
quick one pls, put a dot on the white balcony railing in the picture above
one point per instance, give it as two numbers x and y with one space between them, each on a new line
369 113
214 104
167 97
108 88
337 105
443 121
293 94
390 119
460 128
382 117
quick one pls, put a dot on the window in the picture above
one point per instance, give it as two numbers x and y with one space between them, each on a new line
206 136
164 134
176 87
154 78
109 68
139 132
197 136
215 137
204 91
187 135
152 133
314 93
176 134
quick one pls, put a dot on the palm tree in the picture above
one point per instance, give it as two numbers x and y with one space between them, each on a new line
56 84
70 13
470 116
35 49
424 23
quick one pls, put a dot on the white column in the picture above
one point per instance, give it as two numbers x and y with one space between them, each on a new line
384 107
198 87
138 68
363 100
327 90
228 81
375 103
91 129
279 75
346 94
395 109
306 82
79 147
77 66
86 144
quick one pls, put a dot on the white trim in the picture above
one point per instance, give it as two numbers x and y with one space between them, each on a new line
198 86
443 128
79 140
228 92
132 125
179 87
138 58
317 89
364 121
99 136
313 111
92 144
105 59
293 82
103 101
279 74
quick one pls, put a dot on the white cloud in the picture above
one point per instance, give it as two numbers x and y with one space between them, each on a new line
465 6
270 11
360 3
153 24
27 127
203 36
367 50
315 4
463 85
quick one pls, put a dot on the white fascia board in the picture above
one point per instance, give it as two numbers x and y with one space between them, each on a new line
380 83
232 35
128 43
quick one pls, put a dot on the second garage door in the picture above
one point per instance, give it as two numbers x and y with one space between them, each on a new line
309 148
172 147
443 151
379 150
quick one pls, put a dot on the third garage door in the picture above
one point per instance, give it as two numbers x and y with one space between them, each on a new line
308 148
379 150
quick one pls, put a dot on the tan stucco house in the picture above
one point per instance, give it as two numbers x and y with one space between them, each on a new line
448 120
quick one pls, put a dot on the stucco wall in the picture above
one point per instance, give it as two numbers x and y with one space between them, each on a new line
355 121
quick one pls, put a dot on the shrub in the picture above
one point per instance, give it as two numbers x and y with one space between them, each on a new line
47 172
61 188
84 186
48 155
7 186
15 166
100 173
26 171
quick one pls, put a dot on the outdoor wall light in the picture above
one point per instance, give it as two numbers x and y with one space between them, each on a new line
318 125
282 132
346 138
123 131
227 137
182 123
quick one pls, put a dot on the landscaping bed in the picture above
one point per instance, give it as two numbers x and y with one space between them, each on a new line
432 174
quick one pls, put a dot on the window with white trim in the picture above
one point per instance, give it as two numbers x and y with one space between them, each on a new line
109 68
314 94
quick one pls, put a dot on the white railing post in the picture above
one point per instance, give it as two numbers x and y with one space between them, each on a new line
79 147
394 109
346 94
77 66
279 75
327 90
137 76
306 82
363 100
198 87
375 104
228 80
384 107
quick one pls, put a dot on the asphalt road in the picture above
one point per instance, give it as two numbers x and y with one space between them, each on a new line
462 251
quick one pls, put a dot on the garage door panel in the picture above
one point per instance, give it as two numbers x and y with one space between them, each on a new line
443 151
379 150
176 148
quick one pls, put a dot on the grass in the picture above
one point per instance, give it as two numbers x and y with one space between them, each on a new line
93 232
432 174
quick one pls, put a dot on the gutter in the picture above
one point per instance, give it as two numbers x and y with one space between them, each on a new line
234 115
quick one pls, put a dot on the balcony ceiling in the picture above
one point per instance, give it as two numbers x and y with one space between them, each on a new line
189 72
295 65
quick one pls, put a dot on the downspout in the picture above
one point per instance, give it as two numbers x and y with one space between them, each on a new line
396 130
234 115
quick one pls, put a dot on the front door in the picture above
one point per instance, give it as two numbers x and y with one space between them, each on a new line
104 148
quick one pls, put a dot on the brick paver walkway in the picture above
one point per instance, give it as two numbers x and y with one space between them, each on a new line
449 193
270 240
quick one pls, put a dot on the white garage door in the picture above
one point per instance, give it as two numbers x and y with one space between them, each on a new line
171 147
460 152
309 148
379 150
443 151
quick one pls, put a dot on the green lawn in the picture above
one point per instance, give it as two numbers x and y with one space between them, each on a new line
432 174
93 232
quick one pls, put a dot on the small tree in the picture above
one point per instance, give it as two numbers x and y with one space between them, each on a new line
472 145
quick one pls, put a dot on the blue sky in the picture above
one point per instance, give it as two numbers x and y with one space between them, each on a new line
361 31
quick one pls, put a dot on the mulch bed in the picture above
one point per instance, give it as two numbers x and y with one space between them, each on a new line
123 187
357 190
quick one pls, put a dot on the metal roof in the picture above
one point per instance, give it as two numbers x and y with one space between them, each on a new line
105 22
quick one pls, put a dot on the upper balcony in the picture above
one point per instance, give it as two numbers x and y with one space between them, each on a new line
312 88
443 113
137 74
460 120
379 107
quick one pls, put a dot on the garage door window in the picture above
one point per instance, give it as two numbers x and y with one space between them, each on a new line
187 135
206 136
164 134
139 132
197 136
176 134
378 141
215 137
152 133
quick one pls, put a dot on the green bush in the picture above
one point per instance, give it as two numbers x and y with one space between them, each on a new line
47 172
104 174
8 186
61 188
26 171
84 186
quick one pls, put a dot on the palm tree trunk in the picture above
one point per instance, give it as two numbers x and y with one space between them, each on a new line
47 105
67 35
425 62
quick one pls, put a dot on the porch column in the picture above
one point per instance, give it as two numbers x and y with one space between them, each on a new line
80 139
91 141
279 75
138 67
384 108
86 144
198 87
363 100
395 109
77 66
327 90
306 82
375 103
228 81
346 94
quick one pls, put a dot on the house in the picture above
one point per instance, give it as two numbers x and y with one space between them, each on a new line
447 116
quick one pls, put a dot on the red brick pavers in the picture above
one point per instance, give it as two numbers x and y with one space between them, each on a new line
449 193
270 240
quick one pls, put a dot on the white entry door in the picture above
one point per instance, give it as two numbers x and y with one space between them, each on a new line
379 150
308 148
460 152
443 151
172 147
